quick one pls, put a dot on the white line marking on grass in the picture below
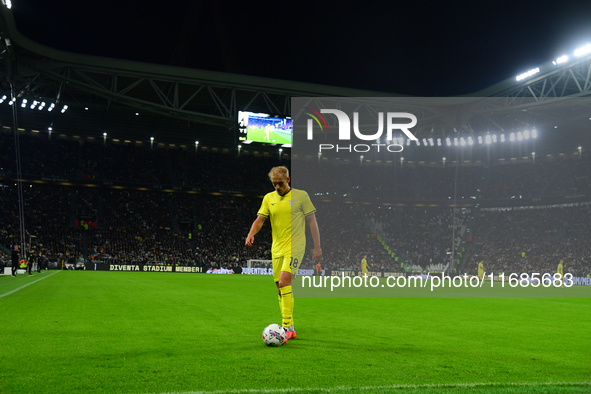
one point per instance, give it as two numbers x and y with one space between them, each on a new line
28 284
393 386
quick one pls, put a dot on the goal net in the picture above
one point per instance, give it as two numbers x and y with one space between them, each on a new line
258 267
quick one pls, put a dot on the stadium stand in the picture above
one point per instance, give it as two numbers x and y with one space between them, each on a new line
131 214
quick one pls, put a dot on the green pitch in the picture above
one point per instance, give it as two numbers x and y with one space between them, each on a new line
137 332
257 134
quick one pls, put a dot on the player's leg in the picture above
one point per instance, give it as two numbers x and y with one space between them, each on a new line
288 272
277 263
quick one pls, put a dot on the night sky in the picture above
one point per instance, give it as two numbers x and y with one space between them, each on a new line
421 49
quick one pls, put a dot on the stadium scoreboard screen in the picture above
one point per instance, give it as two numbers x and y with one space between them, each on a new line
264 128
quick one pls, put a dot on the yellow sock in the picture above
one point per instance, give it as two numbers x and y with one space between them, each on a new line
286 306
280 304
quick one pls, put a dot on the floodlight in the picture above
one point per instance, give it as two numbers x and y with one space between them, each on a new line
519 136
425 141
64 108
24 103
560 60
418 142
534 133
512 137
2 99
8 4
11 101
431 141
528 74
462 141
502 137
470 141
448 141
494 138
526 134
438 141
455 141
151 138
104 134
487 139
480 139
583 50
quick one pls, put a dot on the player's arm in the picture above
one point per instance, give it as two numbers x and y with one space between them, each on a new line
254 229
317 254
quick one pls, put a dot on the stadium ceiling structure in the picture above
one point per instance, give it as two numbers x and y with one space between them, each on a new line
135 100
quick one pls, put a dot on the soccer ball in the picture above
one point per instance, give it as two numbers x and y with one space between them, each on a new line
274 335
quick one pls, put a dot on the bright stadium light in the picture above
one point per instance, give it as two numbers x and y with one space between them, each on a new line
512 137
425 141
583 50
487 139
534 133
455 141
480 139
41 106
438 141
64 109
8 4
431 142
35 102
448 141
560 60
528 74
462 141
2 99
51 106
418 142
408 141
470 141
24 103
494 138
519 136
11 101
502 137
526 134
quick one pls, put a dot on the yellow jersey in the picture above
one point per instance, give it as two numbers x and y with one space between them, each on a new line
560 270
287 214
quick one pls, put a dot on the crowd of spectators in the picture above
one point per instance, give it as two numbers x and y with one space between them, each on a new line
186 228
131 163
535 240
421 237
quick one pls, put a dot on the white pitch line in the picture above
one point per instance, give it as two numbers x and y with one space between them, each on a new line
28 284
394 386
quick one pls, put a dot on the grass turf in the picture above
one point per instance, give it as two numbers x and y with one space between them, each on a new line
137 332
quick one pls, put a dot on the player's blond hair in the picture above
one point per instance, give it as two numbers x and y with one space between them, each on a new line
280 171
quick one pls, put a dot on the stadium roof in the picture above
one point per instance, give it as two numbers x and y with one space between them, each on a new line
136 101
